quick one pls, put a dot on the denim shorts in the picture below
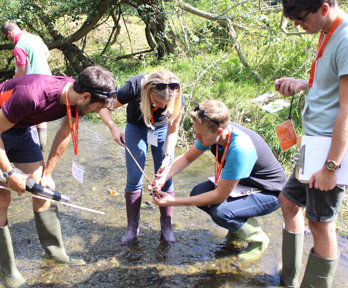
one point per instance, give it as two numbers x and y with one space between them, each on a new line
22 145
321 206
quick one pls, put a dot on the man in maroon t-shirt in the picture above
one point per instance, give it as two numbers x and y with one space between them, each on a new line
27 101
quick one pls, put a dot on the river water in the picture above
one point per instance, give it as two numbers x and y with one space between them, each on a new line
199 258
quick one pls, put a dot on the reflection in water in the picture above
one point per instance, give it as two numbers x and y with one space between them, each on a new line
199 258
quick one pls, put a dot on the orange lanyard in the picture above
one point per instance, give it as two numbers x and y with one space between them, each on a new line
153 110
74 134
219 166
321 46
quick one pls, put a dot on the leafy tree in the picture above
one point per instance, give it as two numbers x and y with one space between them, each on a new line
61 24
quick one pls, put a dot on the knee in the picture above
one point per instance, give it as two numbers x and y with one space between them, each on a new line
322 229
287 206
221 217
5 199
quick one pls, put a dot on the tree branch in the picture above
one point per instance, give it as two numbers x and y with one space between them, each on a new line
222 20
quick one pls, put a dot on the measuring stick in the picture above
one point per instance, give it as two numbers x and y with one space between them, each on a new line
69 204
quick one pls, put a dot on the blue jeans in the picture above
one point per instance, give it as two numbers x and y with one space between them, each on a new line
136 141
234 212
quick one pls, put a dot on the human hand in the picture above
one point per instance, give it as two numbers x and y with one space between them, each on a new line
163 199
47 181
290 86
161 178
17 182
118 135
323 180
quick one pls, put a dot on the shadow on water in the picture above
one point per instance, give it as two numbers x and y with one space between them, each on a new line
199 258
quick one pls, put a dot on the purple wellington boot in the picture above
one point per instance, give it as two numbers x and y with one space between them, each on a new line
133 201
167 233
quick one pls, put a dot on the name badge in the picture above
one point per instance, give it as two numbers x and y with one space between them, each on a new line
77 171
286 134
152 138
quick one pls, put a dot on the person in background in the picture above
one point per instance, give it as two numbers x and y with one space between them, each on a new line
154 110
26 101
248 177
325 114
31 55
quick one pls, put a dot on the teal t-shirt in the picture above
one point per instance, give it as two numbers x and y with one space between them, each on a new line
35 49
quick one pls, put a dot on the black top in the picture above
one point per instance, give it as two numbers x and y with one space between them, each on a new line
130 93
267 173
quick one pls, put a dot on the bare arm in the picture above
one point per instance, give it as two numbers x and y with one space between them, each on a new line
60 143
179 164
216 196
21 70
105 115
172 134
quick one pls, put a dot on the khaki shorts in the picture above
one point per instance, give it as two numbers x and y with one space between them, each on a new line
321 206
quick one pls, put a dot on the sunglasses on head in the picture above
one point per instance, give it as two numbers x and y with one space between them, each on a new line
162 86
202 114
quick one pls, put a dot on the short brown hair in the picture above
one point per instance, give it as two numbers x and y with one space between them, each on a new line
215 111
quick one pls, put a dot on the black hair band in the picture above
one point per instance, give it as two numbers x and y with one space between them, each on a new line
105 93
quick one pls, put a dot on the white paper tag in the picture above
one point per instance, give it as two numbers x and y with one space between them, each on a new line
212 180
152 138
77 171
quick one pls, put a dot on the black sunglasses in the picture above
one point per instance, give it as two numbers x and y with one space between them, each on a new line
162 86
302 18
202 114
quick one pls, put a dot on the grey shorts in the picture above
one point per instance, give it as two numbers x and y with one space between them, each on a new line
321 206
22 145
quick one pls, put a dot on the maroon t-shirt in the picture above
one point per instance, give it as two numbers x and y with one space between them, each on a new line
33 99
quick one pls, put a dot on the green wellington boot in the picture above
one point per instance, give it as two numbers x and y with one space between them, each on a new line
251 233
292 248
50 235
8 269
319 272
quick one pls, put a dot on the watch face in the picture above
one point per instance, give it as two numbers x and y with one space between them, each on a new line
331 165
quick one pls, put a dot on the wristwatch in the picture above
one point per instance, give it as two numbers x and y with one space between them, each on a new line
332 165
6 175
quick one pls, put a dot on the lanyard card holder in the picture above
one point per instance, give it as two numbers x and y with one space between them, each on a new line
286 132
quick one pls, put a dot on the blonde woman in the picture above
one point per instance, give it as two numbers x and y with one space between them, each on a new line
154 111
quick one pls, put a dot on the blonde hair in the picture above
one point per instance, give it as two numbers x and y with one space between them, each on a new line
214 110
174 106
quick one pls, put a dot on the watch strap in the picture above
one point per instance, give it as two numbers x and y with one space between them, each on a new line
6 175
